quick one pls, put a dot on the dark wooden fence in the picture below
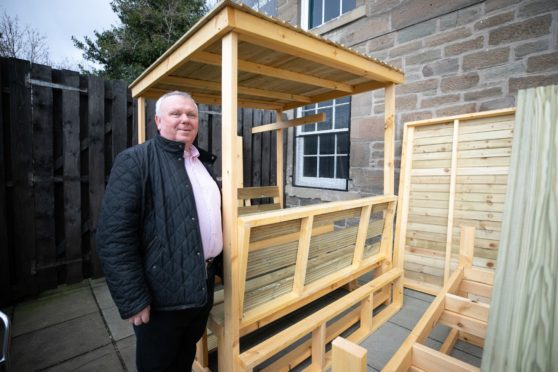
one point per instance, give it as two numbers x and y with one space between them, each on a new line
60 133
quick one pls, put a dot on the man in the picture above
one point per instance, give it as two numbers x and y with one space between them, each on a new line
159 235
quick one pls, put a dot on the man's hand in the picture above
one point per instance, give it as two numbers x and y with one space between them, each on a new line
140 318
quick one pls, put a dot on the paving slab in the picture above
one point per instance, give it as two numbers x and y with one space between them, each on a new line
127 349
118 328
102 295
56 307
102 359
410 313
383 343
418 295
466 357
58 343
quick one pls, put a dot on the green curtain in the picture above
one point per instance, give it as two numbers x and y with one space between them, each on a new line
522 331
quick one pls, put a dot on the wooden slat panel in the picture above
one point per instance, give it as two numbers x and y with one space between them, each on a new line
5 262
118 117
72 175
21 142
96 131
43 185
483 155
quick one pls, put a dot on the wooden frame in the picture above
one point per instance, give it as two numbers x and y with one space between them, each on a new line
454 308
250 60
453 171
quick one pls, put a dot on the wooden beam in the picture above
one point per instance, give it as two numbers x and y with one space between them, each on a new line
450 341
464 117
141 120
479 289
348 356
154 93
465 323
431 360
279 177
259 69
290 123
258 31
215 86
451 202
361 234
230 354
467 307
289 214
389 140
197 39
302 254
365 87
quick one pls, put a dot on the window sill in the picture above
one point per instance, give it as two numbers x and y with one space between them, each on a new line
323 194
341 21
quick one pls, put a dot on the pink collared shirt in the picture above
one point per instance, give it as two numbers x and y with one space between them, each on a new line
208 203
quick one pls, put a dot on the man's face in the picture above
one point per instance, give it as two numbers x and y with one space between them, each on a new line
178 120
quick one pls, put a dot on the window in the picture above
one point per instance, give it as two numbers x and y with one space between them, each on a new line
322 149
264 6
321 11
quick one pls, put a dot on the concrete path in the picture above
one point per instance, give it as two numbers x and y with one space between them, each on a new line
77 328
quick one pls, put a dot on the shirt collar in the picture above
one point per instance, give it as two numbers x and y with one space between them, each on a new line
192 153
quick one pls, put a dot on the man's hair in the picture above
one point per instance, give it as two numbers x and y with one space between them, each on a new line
170 94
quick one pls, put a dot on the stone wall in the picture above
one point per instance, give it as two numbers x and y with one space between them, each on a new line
458 56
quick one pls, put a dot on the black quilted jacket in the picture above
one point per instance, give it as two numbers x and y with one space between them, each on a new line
148 237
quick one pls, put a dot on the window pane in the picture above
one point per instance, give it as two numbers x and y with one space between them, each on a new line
268 7
348 5
327 144
315 13
342 114
310 145
310 166
326 166
331 10
325 125
309 127
310 107
343 143
325 103
346 99
342 167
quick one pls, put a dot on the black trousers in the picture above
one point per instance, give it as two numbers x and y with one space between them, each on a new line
168 341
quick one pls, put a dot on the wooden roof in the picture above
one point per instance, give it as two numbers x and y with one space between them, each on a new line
279 66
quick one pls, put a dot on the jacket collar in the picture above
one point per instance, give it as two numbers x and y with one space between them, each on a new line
168 145
178 148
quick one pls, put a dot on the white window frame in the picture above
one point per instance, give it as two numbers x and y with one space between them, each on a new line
305 13
260 4
321 182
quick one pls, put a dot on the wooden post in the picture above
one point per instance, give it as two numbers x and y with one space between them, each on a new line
451 204
318 347
141 120
279 156
229 355
347 356
389 140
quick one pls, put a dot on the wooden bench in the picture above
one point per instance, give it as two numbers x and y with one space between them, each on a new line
459 306
291 257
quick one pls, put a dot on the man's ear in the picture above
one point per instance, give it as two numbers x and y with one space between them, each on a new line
157 122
